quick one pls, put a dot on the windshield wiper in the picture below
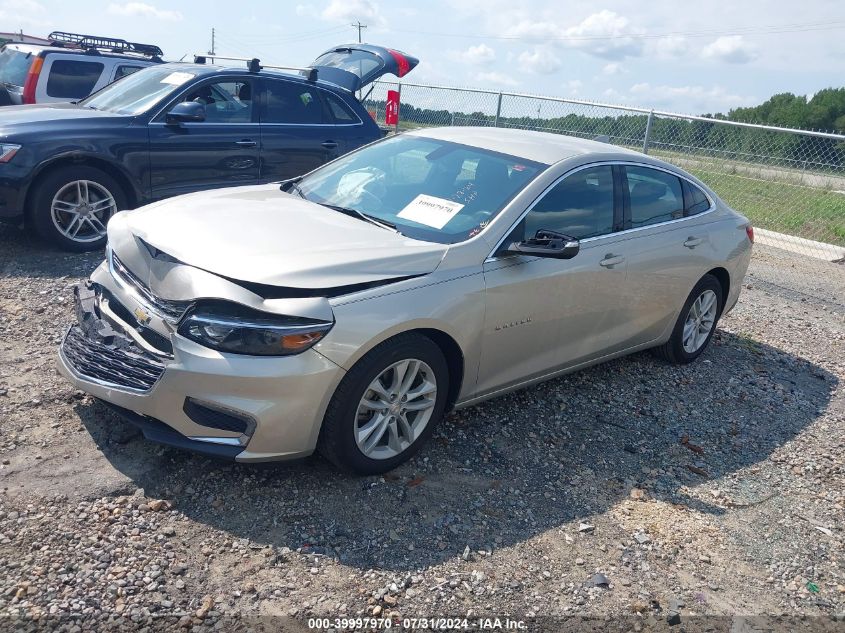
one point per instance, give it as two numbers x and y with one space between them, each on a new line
292 184
355 213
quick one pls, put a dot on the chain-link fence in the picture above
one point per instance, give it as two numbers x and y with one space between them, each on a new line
790 183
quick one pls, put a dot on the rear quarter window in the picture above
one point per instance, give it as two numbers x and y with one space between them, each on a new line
72 79
339 111
697 201
124 70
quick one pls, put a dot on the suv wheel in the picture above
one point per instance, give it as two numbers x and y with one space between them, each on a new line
72 205
386 406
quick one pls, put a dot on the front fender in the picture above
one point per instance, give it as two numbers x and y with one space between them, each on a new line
452 306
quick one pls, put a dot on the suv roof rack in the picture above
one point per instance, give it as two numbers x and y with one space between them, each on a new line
112 44
254 64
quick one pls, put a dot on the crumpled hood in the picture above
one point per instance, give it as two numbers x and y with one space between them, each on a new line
261 235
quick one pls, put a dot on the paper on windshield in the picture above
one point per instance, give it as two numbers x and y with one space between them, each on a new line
431 211
177 78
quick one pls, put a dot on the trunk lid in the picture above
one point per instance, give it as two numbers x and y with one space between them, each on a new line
353 66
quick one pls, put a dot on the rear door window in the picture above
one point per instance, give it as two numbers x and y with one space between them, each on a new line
72 78
291 102
14 65
656 196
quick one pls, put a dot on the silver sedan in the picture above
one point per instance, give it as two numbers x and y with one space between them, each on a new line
348 310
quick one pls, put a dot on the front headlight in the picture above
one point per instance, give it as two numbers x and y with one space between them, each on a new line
8 151
237 329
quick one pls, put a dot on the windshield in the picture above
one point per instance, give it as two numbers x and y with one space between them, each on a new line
428 189
360 63
139 91
13 66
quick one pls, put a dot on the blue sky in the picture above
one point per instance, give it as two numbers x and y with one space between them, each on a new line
706 56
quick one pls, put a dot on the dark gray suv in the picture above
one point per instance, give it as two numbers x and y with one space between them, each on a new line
169 129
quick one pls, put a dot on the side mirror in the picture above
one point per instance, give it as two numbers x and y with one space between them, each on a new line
185 112
547 244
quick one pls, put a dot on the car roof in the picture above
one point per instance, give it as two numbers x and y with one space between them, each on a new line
39 48
541 147
208 69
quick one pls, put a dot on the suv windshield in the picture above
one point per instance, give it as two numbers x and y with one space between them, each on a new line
139 91
13 66
428 189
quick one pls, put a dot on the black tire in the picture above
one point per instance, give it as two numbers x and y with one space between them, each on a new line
45 189
337 435
673 350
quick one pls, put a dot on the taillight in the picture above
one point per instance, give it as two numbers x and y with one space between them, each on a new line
32 80
401 61
749 231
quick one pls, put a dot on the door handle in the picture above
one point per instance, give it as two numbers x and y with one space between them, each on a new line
329 144
247 142
693 241
610 260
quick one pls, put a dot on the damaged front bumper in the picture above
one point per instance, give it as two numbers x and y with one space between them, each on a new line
185 395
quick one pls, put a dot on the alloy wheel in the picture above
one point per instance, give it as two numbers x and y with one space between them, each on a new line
700 321
395 409
81 209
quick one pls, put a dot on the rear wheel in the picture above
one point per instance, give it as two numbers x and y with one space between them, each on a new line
72 205
696 323
386 406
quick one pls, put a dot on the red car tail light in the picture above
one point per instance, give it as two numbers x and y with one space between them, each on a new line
749 231
32 80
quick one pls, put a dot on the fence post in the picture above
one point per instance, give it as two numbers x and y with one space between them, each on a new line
647 131
498 111
399 108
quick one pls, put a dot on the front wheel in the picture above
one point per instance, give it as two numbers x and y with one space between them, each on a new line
386 406
72 205
696 323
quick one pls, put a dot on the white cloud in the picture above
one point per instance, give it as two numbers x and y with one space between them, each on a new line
365 10
477 55
22 13
143 10
730 48
613 68
572 87
306 11
541 60
499 79
687 98
669 47
605 34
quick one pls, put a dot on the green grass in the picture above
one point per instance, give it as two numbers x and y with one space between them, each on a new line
811 212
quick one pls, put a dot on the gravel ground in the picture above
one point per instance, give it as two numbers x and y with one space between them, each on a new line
635 491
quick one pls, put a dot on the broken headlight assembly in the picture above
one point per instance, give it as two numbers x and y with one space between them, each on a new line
236 329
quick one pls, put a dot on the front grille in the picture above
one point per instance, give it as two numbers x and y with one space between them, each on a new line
123 366
172 310
152 337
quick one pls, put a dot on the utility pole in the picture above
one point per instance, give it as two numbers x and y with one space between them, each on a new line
359 26
212 51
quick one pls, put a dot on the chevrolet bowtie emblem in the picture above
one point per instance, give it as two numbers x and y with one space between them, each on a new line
142 315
